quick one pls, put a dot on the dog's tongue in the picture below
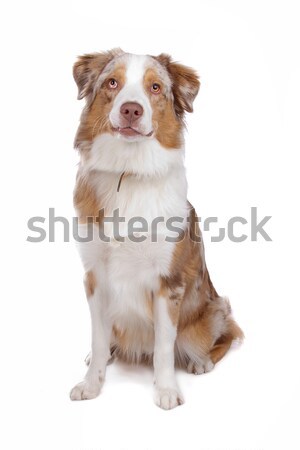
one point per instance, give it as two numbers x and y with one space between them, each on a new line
128 132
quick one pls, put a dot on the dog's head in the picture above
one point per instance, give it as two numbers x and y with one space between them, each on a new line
134 97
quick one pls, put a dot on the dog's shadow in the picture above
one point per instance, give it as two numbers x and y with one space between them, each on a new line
136 373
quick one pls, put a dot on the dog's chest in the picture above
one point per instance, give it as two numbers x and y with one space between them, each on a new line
128 262
133 274
148 198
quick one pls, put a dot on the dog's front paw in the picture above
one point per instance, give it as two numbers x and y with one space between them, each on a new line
85 390
167 398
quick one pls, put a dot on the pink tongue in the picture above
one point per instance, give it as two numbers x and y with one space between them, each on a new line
128 132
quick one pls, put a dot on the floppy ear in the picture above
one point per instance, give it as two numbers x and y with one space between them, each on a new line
185 84
87 69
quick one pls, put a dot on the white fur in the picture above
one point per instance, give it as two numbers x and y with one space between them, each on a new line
100 354
155 186
146 158
167 394
133 91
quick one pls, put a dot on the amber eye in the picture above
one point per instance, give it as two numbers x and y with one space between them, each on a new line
155 88
113 84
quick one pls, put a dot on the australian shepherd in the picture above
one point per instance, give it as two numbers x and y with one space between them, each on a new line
148 288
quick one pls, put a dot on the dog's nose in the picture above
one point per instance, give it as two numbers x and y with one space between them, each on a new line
131 111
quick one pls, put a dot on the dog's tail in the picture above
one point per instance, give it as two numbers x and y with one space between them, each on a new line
233 333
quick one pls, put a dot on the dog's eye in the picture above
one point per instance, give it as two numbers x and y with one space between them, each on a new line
155 88
113 84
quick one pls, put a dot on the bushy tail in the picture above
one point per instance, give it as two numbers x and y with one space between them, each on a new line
233 333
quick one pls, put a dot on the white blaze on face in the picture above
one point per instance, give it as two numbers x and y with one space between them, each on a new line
133 91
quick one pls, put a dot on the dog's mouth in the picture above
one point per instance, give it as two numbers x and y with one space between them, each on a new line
131 132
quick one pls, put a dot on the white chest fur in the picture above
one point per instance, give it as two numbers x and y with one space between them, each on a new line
129 271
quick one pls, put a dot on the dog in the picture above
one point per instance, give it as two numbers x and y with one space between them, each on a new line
150 295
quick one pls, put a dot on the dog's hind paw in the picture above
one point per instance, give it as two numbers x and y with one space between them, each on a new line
197 368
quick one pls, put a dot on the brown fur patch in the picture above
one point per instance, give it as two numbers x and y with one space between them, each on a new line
86 202
89 283
168 127
203 317
149 304
222 345
185 83
174 296
124 342
188 268
95 117
88 67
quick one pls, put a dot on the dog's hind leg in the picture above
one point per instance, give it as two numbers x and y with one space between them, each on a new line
202 343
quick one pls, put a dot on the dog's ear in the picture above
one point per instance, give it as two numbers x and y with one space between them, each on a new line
88 68
185 84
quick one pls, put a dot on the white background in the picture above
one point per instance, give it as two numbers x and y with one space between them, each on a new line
242 149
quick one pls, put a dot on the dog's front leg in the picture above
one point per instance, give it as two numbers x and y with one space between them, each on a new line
166 310
100 354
